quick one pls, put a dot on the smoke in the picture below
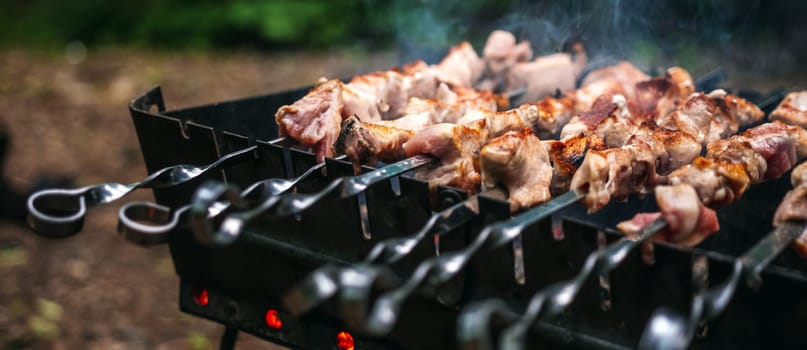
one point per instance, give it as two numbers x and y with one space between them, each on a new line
758 36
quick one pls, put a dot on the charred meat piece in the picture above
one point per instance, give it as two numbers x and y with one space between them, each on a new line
657 97
608 117
739 152
613 174
368 143
451 105
457 148
717 182
688 221
544 117
793 109
519 162
567 156
671 149
315 119
738 109
694 118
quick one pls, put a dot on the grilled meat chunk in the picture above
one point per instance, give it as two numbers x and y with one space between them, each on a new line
546 75
671 149
544 117
657 97
461 67
315 119
368 143
694 118
518 161
457 148
608 117
717 182
799 175
734 112
688 220
617 79
613 174
567 156
739 152
794 207
500 54
793 109
780 144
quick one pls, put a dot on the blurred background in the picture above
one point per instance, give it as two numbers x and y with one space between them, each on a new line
69 68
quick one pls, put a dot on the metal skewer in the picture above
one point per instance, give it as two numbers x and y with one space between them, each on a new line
551 300
61 212
326 281
668 329
440 269
295 203
149 223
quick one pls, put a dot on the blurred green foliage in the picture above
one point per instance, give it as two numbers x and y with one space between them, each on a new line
207 23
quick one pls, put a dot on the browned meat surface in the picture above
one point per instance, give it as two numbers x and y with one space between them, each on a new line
518 161
793 109
313 122
717 182
613 174
545 117
655 98
793 207
671 149
799 175
688 220
368 143
567 156
739 152
694 118
608 117
739 110
452 104
780 144
457 148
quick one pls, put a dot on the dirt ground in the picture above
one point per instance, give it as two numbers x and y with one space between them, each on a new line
69 118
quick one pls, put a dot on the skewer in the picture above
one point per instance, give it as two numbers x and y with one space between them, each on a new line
678 331
61 212
148 223
327 280
551 300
